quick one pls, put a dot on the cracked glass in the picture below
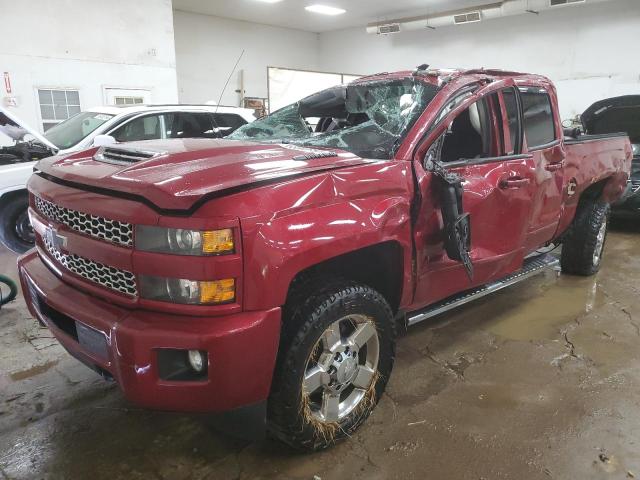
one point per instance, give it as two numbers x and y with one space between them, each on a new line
369 119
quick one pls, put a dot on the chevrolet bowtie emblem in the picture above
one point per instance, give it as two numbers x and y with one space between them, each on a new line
55 239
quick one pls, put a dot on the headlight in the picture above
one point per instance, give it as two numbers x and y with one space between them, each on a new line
191 292
180 241
636 149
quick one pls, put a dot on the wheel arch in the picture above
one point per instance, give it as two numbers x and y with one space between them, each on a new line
379 266
604 189
595 191
12 192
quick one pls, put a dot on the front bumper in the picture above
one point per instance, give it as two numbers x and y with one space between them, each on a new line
241 347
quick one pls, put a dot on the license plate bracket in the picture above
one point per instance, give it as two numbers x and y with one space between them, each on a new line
93 340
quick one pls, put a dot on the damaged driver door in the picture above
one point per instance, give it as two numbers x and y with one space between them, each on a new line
474 163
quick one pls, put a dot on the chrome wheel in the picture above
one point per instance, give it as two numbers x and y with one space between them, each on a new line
597 252
341 368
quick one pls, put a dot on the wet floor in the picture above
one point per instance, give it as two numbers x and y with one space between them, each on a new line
539 381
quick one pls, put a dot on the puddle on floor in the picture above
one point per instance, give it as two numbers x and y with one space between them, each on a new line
538 311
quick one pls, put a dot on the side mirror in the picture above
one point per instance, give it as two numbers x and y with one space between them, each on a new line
457 223
101 140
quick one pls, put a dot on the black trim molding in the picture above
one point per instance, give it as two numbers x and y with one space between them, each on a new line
482 161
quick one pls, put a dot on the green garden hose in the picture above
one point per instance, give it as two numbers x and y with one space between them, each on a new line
13 290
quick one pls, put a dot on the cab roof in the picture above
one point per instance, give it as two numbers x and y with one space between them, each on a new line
439 76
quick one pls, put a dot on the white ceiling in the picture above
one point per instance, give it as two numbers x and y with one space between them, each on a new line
291 13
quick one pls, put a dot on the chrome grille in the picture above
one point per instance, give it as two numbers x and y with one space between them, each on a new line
112 231
109 277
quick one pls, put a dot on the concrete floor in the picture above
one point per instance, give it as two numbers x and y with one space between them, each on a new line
539 381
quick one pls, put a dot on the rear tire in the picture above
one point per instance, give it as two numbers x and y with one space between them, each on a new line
15 229
336 354
583 246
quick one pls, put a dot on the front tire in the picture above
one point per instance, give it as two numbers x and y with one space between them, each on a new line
16 232
583 246
336 355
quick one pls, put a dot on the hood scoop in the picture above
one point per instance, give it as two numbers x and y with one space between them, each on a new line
124 156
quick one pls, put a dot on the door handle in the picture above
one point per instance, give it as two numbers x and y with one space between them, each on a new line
514 182
554 167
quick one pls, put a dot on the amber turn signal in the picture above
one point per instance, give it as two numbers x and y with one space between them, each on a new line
192 292
217 241
218 291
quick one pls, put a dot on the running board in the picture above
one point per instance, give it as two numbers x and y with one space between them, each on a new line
532 266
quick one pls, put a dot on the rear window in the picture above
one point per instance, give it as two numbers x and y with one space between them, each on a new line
539 128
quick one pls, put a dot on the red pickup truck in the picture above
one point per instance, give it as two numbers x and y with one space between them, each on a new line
268 272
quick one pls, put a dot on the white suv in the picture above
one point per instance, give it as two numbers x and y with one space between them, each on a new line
95 127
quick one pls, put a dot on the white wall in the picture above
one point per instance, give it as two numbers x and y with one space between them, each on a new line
207 48
86 45
590 51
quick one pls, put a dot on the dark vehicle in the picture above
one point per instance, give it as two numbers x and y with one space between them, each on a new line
620 114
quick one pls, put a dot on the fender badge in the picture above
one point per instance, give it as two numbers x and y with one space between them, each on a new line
572 187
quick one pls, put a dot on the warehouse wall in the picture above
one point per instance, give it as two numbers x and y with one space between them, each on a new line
207 48
590 51
83 45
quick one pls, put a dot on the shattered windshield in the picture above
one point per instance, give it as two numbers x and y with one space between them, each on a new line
368 119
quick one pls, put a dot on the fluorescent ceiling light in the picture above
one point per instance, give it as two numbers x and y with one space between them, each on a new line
325 10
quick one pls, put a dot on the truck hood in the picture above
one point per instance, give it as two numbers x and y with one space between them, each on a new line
177 176
17 129
616 114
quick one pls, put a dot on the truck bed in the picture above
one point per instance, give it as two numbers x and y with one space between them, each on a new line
589 160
